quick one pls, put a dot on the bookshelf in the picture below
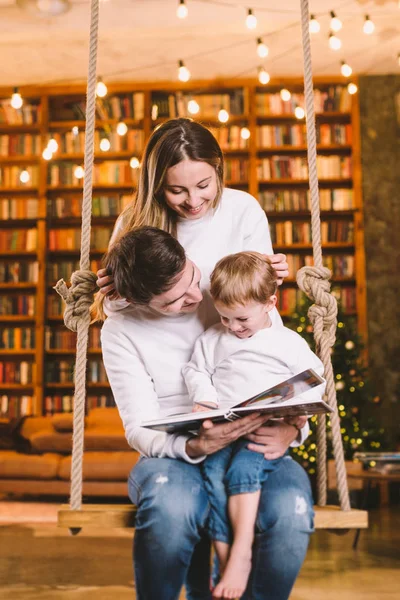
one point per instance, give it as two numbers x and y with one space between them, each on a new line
40 216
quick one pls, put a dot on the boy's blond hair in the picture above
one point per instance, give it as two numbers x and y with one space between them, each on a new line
243 277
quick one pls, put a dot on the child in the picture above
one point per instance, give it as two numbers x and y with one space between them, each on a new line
232 361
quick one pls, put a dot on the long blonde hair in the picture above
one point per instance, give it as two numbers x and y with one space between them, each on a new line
171 143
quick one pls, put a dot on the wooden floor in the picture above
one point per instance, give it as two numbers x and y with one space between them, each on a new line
37 560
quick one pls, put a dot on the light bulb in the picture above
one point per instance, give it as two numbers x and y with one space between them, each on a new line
52 145
122 128
79 172
75 130
182 10
223 115
285 94
299 112
105 145
369 26
193 107
47 154
24 176
334 42
134 163
16 99
101 89
251 20
314 25
245 133
352 88
183 72
263 76
336 23
346 69
262 49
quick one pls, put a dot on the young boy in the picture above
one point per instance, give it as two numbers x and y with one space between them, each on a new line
232 361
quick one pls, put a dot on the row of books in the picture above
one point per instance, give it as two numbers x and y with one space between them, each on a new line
19 208
229 138
28 114
70 239
289 299
63 269
19 144
128 105
297 232
340 265
69 143
17 338
296 135
17 304
57 338
13 407
106 173
299 200
167 105
64 403
102 206
296 167
10 176
22 372
18 239
236 170
334 99
19 271
62 371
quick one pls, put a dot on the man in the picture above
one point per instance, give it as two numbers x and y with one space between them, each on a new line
144 350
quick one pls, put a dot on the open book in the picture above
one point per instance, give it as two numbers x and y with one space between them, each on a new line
281 400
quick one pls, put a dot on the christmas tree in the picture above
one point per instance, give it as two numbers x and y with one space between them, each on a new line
357 403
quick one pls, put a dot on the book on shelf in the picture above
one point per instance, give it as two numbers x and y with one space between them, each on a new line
171 105
17 304
17 338
105 173
12 407
63 269
296 135
17 372
58 403
74 143
59 338
28 114
19 271
118 106
19 208
229 138
340 265
299 200
283 399
290 298
10 176
335 98
296 167
102 205
70 239
19 240
236 170
297 232
19 144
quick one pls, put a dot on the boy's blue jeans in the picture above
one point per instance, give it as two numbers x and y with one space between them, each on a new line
228 472
170 545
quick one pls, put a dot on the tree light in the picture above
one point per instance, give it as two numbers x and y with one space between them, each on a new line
183 72
122 128
24 176
336 23
352 88
16 99
182 10
262 49
369 26
263 76
251 20
285 94
299 112
245 133
223 115
193 107
47 154
335 43
314 25
346 69
105 145
52 145
134 163
79 172
101 88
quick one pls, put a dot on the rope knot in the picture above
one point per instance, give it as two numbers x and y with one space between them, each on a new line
78 297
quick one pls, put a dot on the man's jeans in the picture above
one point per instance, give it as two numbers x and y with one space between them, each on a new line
171 549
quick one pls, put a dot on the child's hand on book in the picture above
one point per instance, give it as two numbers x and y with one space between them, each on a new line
203 406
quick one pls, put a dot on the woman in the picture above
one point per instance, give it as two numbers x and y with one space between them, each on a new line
181 191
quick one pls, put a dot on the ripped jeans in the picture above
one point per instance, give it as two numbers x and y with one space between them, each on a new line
171 548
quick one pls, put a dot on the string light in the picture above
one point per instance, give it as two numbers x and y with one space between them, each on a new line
122 128
335 43
285 94
352 88
223 115
105 144
314 25
79 173
346 69
52 145
193 107
75 130
245 133
299 112
182 10
369 26
134 163
262 49
101 88
16 99
183 72
263 76
251 20
24 176
47 154
336 24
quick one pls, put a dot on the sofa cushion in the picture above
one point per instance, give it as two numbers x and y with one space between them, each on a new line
102 466
106 438
14 465
104 417
62 422
51 441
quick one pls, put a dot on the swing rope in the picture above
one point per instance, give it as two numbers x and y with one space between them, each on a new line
314 281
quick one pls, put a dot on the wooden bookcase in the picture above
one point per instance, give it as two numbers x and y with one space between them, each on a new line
36 362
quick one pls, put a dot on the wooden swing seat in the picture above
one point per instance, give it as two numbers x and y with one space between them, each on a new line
110 516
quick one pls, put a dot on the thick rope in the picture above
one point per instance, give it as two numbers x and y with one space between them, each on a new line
314 281
79 296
